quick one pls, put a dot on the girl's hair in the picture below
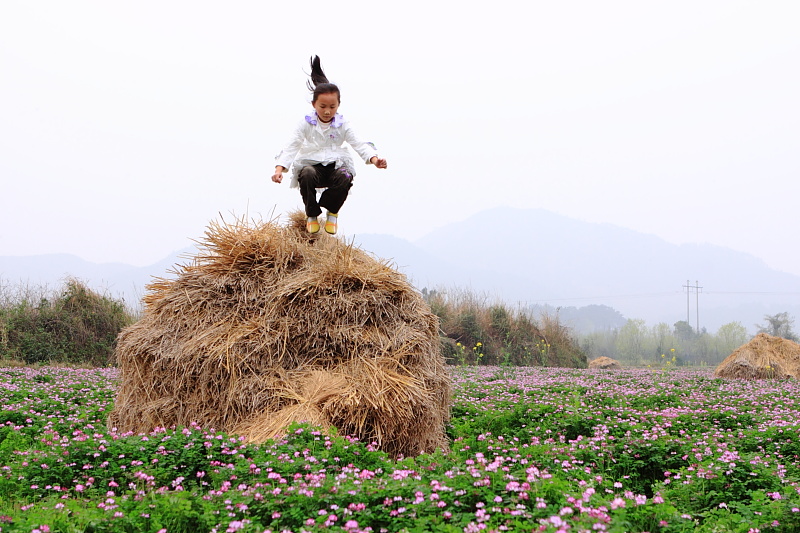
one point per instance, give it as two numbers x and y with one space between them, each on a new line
319 83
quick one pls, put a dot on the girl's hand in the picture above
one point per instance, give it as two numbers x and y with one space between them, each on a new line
278 176
378 162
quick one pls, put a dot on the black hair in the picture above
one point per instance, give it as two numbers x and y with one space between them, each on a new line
319 83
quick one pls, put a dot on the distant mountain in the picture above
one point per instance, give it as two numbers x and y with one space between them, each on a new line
533 256
117 280
526 257
425 268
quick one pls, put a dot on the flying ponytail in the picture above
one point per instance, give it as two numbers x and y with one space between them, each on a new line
319 83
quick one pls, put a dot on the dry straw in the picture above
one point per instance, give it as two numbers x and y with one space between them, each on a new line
270 325
605 363
764 357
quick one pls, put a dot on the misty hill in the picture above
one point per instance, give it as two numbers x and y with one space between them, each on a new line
588 273
116 280
533 256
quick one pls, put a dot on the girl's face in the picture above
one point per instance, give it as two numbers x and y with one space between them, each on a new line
326 106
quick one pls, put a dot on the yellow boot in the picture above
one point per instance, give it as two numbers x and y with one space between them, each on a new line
331 223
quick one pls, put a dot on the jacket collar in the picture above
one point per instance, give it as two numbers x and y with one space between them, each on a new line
313 119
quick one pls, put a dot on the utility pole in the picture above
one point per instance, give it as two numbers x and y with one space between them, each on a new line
687 302
697 288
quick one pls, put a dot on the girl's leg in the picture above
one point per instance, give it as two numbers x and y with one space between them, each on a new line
338 187
308 178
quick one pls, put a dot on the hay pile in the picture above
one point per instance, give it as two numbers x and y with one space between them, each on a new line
271 325
764 357
605 363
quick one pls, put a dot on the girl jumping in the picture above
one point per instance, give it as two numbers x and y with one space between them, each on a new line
317 155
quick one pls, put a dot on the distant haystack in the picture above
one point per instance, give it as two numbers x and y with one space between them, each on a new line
763 357
605 363
271 325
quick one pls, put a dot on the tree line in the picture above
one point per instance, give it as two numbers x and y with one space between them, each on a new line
637 344
76 325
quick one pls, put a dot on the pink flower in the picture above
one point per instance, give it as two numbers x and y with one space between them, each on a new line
234 526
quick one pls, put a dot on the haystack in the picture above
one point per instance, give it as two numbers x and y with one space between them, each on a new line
270 325
763 357
605 363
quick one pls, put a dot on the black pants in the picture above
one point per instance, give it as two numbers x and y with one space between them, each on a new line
337 185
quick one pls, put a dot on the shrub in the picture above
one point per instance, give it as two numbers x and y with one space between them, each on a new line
73 325
475 332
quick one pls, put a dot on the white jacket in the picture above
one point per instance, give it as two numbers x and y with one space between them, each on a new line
310 145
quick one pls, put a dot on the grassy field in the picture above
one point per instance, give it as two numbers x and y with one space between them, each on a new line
532 449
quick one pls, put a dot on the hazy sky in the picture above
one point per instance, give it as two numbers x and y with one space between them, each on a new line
125 127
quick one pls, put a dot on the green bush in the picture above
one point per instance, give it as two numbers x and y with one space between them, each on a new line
73 325
475 332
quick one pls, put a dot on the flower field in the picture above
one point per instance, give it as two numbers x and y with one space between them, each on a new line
532 449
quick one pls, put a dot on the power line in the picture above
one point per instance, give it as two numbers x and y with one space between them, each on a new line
658 294
755 292
605 296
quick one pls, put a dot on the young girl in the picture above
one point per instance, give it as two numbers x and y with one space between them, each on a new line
319 156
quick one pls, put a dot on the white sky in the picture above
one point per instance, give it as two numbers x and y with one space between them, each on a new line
125 127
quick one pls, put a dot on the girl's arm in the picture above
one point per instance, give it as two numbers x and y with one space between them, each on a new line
278 176
365 149
377 161
285 158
